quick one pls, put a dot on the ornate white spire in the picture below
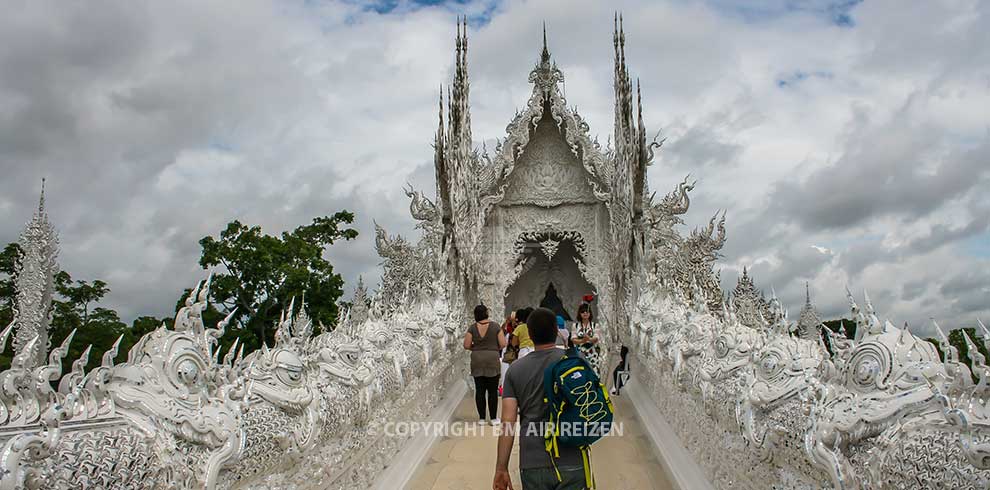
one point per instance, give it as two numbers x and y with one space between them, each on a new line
440 164
359 306
546 75
459 107
749 302
809 320
35 284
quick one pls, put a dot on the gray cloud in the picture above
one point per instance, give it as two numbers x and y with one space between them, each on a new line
894 170
912 290
156 124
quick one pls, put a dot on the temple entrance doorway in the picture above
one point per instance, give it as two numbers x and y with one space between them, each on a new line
549 270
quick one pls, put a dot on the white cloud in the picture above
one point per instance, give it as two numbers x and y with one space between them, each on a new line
157 124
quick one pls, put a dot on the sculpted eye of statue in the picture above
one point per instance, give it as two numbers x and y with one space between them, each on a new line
351 357
288 367
721 348
187 372
867 372
184 364
869 367
771 365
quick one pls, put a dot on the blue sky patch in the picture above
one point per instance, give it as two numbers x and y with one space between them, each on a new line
391 6
978 246
798 76
837 12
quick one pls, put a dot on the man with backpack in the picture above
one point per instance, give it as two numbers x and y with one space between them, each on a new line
534 394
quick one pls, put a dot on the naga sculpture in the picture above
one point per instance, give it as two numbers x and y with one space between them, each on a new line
881 410
192 421
179 413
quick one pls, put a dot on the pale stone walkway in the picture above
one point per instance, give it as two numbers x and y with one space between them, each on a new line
468 463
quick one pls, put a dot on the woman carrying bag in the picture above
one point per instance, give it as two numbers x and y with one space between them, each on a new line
485 340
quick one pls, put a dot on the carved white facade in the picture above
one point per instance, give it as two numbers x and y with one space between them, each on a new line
305 413
755 405
35 273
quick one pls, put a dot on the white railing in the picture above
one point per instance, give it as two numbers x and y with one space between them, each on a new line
306 413
760 408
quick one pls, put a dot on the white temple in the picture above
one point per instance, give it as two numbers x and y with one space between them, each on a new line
737 399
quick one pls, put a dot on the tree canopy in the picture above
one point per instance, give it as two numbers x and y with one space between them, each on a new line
261 274
74 307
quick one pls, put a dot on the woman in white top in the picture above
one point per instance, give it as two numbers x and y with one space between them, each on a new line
586 337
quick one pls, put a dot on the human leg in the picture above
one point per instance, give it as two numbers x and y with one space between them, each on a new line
571 478
538 479
617 379
492 389
480 389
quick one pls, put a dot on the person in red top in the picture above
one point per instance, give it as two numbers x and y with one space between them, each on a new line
507 328
510 323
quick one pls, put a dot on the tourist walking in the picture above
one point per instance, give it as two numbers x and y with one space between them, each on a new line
587 336
553 303
485 340
523 400
623 368
521 332
511 350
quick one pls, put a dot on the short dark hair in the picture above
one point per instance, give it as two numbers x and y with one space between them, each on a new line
523 314
480 313
542 326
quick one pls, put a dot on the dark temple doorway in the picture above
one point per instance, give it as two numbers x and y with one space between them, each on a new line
540 271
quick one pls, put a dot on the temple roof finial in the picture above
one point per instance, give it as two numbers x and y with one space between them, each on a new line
41 200
615 37
546 75
545 55
440 103
622 42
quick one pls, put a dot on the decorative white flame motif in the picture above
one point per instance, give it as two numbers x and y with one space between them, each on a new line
549 247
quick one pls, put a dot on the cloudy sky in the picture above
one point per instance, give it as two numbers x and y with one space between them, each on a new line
850 142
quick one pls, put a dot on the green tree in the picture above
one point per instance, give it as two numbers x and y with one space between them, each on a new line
74 309
843 326
263 273
143 325
8 264
80 294
957 340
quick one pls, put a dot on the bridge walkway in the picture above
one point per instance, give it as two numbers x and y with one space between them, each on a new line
467 462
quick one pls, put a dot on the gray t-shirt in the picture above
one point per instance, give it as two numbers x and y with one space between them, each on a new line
524 382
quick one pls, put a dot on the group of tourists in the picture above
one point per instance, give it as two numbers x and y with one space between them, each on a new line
494 347
546 369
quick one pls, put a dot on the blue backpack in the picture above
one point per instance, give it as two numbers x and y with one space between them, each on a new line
580 411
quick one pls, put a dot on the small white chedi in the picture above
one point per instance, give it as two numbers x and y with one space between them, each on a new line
759 401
